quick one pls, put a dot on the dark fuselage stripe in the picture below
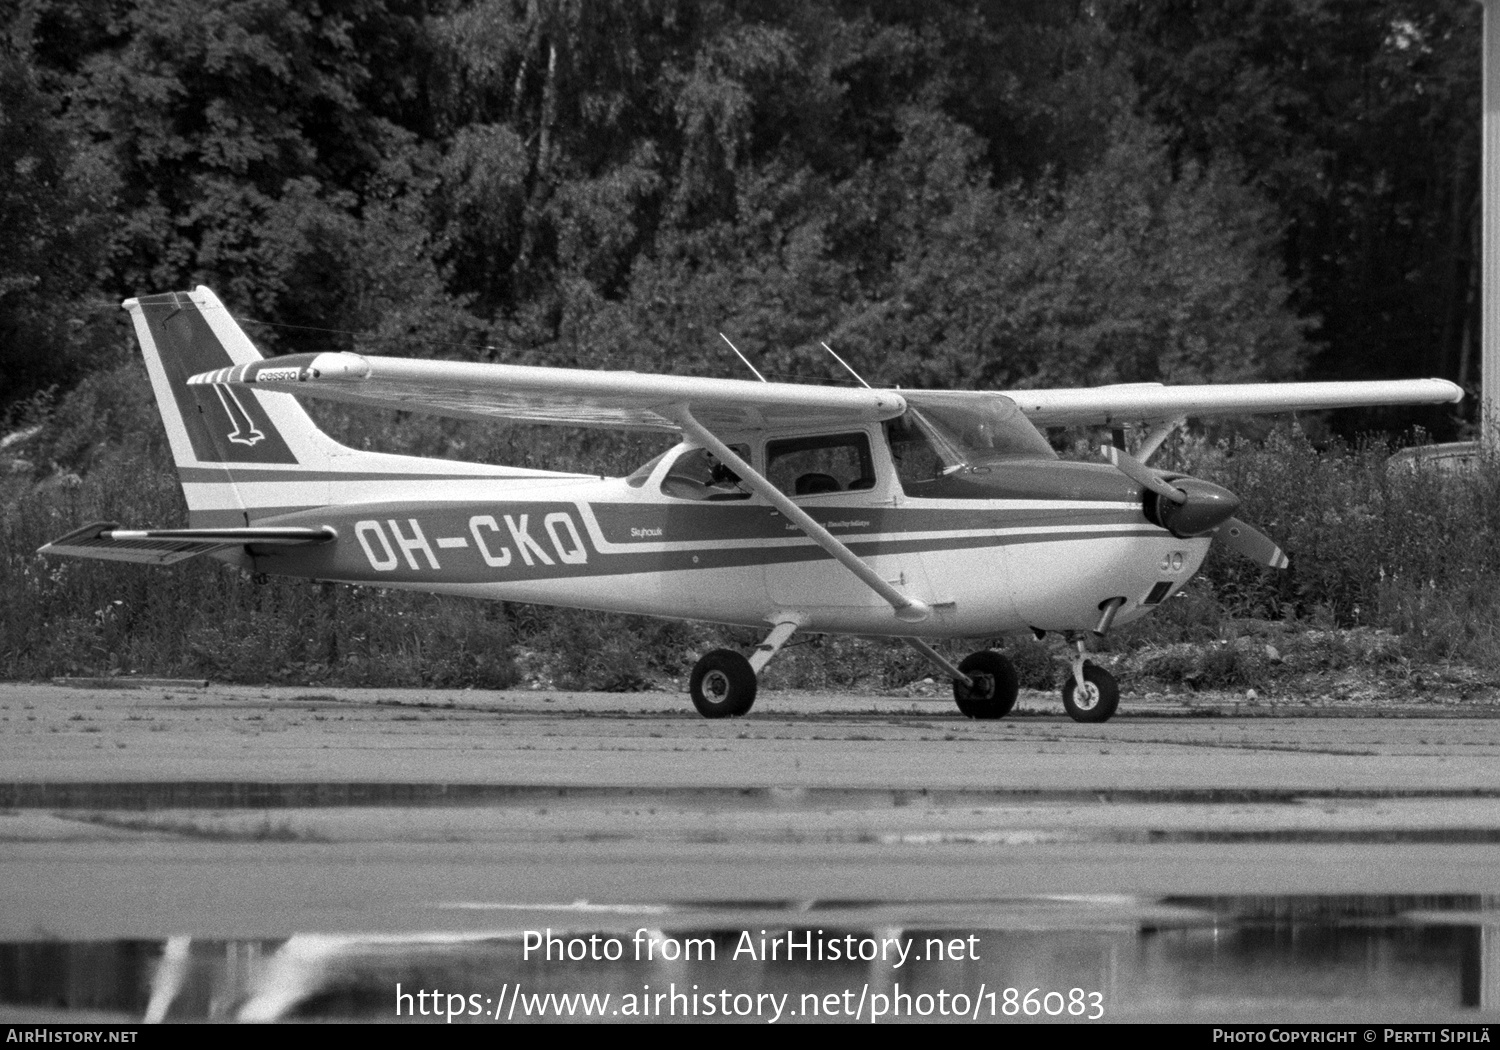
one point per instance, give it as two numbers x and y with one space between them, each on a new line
242 475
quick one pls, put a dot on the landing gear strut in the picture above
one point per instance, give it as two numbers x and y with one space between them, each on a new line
985 684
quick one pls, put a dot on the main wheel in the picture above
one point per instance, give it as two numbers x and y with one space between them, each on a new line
993 693
1098 698
723 684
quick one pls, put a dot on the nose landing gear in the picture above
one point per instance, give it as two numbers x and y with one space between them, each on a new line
1091 693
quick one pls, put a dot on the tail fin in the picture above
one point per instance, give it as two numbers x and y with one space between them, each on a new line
247 457
242 457
184 333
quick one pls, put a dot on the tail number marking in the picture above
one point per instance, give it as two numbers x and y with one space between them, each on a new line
497 559
571 552
385 561
567 546
417 542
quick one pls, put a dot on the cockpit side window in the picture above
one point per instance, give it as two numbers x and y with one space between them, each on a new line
826 463
698 474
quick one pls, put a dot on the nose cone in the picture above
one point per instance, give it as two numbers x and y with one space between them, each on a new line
1207 507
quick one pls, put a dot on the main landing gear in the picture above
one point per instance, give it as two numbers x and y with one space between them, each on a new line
992 687
724 682
985 684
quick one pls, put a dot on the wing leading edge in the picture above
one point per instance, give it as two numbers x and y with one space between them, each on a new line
633 400
1153 403
579 397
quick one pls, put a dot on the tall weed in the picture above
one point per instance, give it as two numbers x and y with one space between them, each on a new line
1415 551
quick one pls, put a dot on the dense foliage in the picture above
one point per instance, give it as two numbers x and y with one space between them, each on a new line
1014 192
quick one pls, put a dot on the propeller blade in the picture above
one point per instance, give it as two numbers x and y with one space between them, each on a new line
1249 542
1141 474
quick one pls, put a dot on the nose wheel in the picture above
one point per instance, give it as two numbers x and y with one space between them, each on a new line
1090 694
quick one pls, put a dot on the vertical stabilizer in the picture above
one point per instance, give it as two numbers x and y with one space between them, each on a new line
241 457
183 333
246 457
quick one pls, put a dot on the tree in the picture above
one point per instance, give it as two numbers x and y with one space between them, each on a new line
249 138
53 201
1360 123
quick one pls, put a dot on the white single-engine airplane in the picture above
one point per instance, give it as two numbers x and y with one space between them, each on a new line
913 515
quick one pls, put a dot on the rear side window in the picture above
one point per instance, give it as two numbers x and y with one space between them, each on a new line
826 463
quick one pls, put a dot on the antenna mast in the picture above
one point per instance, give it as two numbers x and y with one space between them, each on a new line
851 371
743 358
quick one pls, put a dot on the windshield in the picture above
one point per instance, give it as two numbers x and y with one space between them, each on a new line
698 474
948 431
643 472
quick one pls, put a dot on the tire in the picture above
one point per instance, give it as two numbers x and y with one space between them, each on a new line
995 686
723 684
1099 699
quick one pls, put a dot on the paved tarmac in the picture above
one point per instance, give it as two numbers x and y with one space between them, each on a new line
790 740
259 813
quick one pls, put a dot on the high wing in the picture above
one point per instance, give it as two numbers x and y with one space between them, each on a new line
1154 403
628 400
106 541
633 400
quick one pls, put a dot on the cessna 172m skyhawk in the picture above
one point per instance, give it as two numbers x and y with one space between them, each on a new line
912 515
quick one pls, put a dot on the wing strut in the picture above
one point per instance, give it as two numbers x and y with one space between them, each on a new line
1158 435
908 610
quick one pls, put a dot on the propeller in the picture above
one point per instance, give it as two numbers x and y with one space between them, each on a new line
1192 507
1249 542
1142 475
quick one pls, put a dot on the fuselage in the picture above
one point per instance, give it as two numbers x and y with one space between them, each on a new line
1026 543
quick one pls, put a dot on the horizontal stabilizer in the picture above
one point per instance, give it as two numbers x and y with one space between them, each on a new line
106 541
